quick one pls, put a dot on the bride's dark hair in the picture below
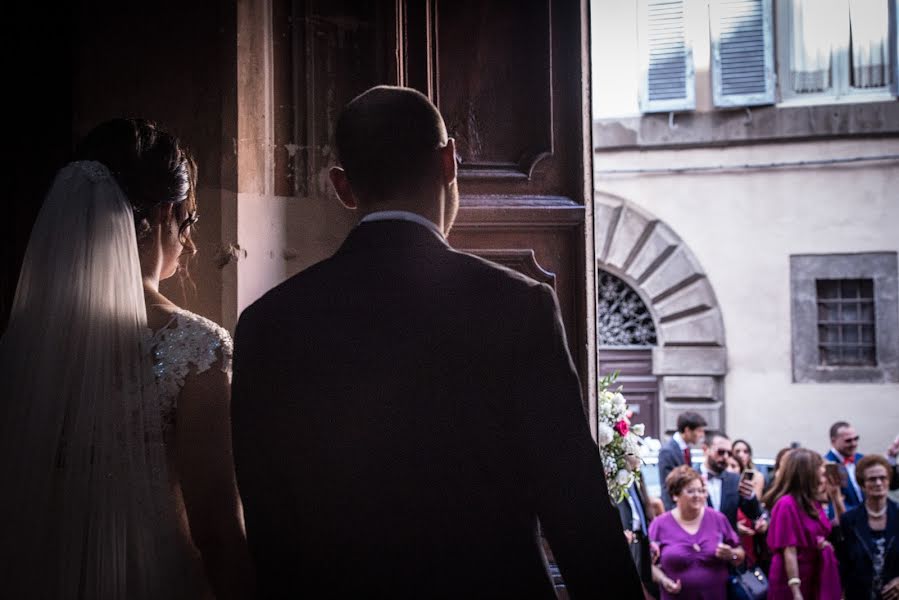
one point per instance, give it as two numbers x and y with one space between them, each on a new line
150 165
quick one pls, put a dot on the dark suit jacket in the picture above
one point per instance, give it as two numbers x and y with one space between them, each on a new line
856 548
640 548
731 500
403 414
670 456
850 497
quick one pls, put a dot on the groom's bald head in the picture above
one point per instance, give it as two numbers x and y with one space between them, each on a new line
387 140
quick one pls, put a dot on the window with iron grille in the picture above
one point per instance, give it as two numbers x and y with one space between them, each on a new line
845 317
846 323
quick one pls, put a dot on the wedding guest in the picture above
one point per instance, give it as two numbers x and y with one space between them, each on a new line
727 492
745 526
636 517
892 454
743 453
843 452
775 469
869 551
690 431
803 565
696 542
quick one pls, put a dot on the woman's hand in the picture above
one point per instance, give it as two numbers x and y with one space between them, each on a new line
761 525
745 530
725 552
654 552
672 587
891 590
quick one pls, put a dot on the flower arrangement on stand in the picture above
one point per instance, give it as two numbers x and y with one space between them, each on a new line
620 442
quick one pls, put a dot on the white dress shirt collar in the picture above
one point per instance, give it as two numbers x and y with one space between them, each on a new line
713 485
677 437
402 215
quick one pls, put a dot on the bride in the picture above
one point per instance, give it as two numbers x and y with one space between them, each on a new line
115 449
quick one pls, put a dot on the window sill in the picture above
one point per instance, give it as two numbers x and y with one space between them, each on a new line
785 122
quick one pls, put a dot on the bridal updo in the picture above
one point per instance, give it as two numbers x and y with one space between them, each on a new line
150 165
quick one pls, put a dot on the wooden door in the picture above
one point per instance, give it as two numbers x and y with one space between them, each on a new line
511 80
640 386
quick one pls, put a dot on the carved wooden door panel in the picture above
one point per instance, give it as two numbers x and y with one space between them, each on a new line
510 78
641 387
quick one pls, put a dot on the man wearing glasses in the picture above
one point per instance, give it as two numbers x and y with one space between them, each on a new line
843 451
727 491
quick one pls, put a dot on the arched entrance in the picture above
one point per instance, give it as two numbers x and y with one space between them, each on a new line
686 360
625 335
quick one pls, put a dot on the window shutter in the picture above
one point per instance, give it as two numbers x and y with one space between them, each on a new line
894 45
667 58
742 52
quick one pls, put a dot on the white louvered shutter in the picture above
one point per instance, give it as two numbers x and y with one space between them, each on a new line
742 52
894 45
667 58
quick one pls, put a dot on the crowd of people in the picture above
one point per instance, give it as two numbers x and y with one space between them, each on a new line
818 526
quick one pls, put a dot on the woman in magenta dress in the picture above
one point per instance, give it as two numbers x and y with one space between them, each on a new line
803 564
696 543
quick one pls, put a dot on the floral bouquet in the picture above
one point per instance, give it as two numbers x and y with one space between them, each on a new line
620 443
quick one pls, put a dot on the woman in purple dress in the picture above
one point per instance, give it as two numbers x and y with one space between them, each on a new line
803 564
696 543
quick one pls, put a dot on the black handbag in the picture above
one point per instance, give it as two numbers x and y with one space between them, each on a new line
747 585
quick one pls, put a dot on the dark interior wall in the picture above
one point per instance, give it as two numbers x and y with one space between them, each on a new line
170 61
173 62
38 123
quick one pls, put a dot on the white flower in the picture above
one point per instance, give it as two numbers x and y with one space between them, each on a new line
604 435
638 429
619 401
623 477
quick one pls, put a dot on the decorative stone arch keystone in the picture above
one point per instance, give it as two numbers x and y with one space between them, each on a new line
690 355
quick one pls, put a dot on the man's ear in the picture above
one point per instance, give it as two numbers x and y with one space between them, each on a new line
448 161
342 187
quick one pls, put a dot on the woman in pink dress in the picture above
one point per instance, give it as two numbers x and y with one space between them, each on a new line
803 565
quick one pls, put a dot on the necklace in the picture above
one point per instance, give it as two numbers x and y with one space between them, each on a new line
876 514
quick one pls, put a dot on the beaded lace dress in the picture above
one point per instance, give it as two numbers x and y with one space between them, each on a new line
188 344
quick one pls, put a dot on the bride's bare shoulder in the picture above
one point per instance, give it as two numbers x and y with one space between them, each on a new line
160 315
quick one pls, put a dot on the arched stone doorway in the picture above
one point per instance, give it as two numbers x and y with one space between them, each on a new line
688 356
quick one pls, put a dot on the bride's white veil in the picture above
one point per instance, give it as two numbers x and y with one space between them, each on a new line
85 500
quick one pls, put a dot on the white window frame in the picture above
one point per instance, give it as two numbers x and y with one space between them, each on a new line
841 91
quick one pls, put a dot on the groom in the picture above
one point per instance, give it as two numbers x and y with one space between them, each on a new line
404 413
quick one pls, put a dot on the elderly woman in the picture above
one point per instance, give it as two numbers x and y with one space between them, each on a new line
869 553
696 543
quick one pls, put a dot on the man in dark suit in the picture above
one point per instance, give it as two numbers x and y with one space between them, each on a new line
726 491
690 430
843 451
636 515
404 413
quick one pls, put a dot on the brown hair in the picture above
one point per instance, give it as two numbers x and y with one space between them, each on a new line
152 167
797 477
749 464
679 478
871 460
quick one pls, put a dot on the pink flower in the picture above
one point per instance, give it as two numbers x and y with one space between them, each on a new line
622 427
